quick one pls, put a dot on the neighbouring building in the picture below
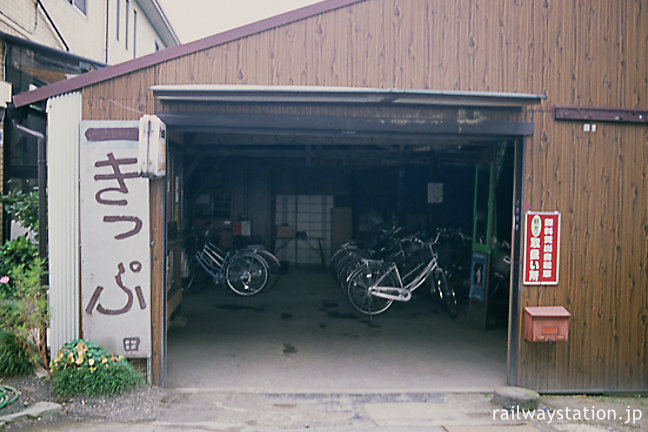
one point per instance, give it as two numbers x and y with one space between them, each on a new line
44 41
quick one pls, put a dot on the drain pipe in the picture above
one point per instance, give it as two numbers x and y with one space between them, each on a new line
107 30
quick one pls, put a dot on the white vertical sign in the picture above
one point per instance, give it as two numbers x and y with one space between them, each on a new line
115 237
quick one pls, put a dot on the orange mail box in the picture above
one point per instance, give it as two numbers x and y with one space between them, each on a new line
546 323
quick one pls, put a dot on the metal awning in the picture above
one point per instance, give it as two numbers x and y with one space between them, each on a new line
339 95
444 129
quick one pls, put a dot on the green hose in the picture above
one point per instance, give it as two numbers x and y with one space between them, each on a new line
8 395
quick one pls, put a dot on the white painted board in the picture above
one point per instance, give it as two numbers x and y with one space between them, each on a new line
115 239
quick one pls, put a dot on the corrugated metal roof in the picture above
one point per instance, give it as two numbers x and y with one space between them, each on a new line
171 53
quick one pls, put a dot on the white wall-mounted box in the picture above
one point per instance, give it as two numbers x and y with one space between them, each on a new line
151 158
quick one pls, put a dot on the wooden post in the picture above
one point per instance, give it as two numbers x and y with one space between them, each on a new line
158 289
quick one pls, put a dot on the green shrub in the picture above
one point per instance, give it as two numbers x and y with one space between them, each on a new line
14 253
9 314
23 299
22 207
15 358
23 315
84 368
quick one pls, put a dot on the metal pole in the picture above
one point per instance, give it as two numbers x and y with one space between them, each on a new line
42 200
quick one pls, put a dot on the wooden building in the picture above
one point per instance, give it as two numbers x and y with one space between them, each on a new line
564 84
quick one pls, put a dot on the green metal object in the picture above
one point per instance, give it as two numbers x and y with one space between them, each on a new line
493 171
8 395
484 244
483 227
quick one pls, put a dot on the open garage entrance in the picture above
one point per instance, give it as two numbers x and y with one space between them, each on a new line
301 184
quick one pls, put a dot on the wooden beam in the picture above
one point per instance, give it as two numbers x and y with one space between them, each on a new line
173 302
616 115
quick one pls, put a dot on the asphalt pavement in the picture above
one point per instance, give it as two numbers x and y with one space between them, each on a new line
192 410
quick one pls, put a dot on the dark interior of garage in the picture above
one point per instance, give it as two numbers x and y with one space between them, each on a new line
302 197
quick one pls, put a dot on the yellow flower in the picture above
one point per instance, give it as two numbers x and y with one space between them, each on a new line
80 360
104 360
91 362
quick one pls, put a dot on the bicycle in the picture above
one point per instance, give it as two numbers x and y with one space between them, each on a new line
271 261
455 254
244 271
375 284
351 254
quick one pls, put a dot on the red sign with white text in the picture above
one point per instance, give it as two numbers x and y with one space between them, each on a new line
541 248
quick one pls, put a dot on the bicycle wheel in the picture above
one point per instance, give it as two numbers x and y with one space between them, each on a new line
345 271
273 266
346 267
445 292
246 274
358 286
196 279
339 255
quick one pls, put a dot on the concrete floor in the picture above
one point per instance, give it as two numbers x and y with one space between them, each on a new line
303 336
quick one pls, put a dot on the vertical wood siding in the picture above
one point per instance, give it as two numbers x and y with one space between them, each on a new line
590 52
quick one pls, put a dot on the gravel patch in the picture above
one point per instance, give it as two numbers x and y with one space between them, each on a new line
139 405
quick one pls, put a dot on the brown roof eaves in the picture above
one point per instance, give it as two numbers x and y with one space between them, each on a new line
173 52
